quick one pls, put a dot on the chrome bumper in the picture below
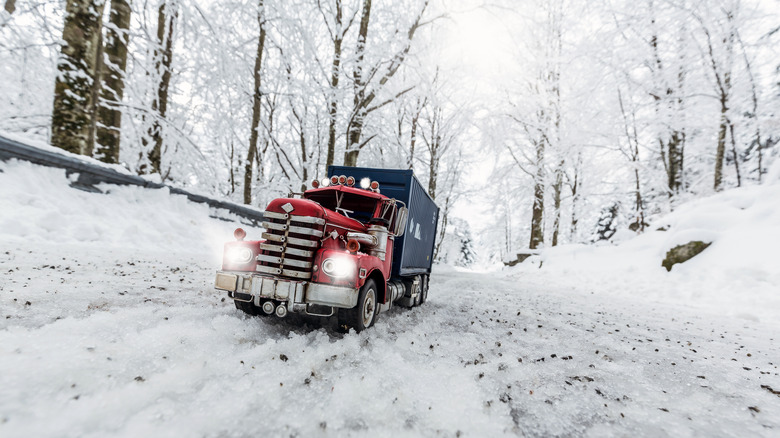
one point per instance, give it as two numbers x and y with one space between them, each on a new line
257 288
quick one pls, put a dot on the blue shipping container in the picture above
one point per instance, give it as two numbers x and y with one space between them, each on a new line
413 252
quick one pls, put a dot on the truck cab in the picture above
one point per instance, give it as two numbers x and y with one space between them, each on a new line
334 250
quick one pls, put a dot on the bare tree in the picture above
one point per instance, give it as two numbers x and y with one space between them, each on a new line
74 100
415 121
337 32
574 181
363 101
557 187
753 113
167 14
109 116
721 70
667 97
632 153
257 97
542 124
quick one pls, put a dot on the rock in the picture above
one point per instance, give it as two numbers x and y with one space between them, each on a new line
682 253
522 256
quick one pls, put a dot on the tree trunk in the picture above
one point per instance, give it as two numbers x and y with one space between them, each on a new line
355 126
734 152
537 218
721 150
433 168
434 148
335 73
109 115
301 121
166 20
232 178
575 197
413 133
257 104
97 81
443 228
754 112
557 188
639 206
73 100
722 73
674 167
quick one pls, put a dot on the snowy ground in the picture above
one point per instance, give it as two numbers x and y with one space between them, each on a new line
109 326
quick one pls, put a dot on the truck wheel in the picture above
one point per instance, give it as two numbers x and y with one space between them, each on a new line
248 308
424 290
363 315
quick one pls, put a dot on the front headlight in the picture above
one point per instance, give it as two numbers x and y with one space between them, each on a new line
239 255
338 267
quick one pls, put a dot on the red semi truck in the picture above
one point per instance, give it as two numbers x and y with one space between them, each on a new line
337 249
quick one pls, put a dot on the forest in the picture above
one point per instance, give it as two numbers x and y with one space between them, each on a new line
532 124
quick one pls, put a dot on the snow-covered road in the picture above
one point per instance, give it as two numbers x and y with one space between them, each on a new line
121 342
110 326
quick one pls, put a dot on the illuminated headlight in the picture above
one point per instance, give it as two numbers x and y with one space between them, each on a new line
239 255
338 267
365 183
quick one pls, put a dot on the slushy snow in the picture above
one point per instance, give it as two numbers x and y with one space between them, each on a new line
110 326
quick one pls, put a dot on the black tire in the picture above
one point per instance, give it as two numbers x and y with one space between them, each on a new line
418 298
424 290
363 315
248 308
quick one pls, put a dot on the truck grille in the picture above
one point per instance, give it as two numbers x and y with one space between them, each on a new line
290 244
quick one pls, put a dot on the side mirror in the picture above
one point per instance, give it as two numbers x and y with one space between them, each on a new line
400 221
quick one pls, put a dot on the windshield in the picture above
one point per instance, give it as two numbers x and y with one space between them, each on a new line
350 205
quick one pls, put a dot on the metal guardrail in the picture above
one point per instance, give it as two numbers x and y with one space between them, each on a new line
89 175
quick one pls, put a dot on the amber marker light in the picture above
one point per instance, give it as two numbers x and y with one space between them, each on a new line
350 181
374 185
334 180
315 184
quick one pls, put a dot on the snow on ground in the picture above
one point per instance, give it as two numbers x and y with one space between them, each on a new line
109 326
738 275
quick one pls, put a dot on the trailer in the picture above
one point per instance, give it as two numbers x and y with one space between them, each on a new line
413 251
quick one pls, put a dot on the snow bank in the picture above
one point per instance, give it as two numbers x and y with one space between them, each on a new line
39 206
738 275
31 142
